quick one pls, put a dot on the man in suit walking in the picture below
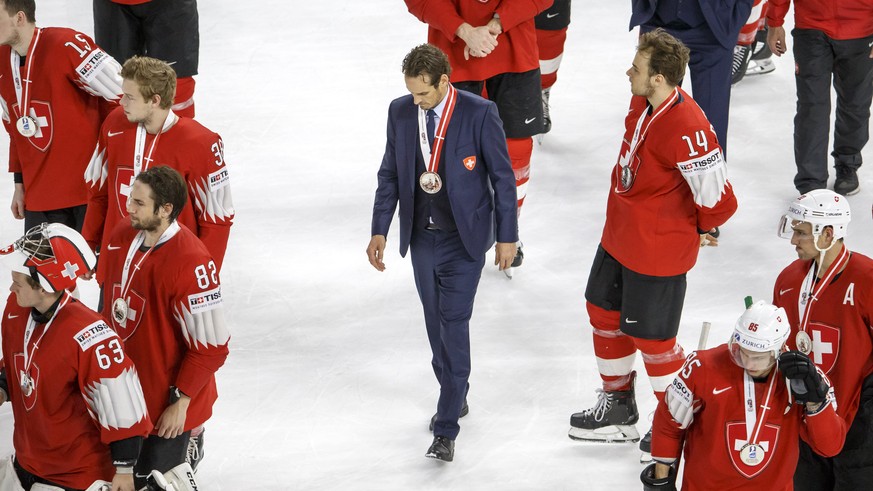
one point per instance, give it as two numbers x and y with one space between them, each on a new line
447 165
709 30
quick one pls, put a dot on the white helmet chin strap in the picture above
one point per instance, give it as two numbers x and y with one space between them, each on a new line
821 251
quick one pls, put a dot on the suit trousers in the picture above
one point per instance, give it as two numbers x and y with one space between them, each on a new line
710 66
447 279
819 60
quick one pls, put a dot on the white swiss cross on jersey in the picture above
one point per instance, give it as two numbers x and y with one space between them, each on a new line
825 345
41 112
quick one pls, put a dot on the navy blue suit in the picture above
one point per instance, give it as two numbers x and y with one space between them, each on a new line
710 29
480 186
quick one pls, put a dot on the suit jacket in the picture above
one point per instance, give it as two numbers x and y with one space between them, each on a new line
483 198
725 18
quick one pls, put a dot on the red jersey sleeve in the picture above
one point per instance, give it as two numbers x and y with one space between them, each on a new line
98 198
209 190
110 385
199 313
676 412
442 15
514 13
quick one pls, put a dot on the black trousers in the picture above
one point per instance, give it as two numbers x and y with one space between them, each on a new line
852 468
819 60
72 217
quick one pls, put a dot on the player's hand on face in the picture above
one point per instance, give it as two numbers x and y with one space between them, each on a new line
376 252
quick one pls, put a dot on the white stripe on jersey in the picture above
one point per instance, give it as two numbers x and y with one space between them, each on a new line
116 402
97 170
706 176
207 327
100 75
216 206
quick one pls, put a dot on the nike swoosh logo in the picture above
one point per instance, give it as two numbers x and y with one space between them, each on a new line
783 292
529 121
716 392
10 316
870 45
111 134
109 247
628 321
549 16
142 476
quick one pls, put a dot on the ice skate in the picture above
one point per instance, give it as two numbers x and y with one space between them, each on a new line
646 448
611 420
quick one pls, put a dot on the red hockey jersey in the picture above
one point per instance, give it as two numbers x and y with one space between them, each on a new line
66 81
673 184
839 325
175 329
190 148
839 19
516 49
85 394
704 409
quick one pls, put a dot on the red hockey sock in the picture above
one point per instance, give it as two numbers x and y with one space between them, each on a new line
615 351
520 150
183 104
663 359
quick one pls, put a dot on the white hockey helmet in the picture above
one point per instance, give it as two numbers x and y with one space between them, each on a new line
820 208
52 254
763 328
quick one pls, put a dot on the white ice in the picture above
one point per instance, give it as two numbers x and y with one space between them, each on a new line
329 384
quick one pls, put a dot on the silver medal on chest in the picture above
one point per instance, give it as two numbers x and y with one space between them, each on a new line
26 126
752 454
26 384
119 311
803 342
430 182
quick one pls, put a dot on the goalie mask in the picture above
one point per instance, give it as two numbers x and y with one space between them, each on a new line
758 337
820 208
52 254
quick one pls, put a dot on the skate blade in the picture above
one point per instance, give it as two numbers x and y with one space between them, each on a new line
645 457
607 434
760 69
540 138
509 272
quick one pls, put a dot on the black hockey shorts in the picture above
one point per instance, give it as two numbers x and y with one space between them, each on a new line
164 29
519 100
554 18
650 306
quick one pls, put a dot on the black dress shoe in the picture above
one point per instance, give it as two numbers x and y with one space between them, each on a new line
441 449
464 411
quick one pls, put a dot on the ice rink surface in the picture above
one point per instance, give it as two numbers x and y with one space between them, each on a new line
328 385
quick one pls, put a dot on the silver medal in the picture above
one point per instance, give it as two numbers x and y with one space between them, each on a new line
803 342
26 384
626 178
430 182
752 454
26 126
119 311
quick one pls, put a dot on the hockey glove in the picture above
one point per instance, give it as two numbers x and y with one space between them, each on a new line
805 382
651 483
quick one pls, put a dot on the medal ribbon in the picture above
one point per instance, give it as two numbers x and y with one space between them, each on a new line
31 326
440 135
640 132
22 87
139 147
126 275
817 290
753 422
